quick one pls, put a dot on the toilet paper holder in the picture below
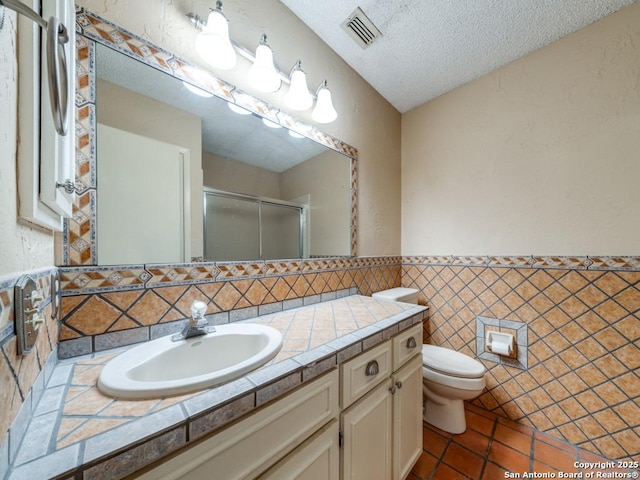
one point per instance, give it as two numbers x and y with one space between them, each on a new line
501 344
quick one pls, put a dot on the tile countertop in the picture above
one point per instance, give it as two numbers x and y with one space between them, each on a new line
76 432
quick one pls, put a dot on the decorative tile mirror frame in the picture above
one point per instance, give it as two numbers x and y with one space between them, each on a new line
79 252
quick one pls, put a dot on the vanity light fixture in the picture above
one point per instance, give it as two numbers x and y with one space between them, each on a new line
196 90
213 43
298 97
216 48
324 111
263 75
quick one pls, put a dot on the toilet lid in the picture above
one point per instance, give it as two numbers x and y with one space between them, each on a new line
450 362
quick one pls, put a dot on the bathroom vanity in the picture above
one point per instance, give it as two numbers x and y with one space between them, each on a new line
344 401
371 406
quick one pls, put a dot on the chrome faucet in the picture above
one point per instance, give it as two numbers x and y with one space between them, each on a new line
197 325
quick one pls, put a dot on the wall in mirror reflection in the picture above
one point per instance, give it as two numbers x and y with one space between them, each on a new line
156 203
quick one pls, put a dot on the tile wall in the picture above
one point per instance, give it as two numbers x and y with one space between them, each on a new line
104 307
23 377
580 383
582 378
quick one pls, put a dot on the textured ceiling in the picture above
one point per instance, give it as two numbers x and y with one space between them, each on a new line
429 47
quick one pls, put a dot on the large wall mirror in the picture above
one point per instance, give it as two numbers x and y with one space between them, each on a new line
181 177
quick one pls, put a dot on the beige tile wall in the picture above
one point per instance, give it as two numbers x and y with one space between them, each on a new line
96 314
582 383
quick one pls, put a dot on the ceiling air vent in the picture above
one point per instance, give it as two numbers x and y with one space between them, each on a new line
360 28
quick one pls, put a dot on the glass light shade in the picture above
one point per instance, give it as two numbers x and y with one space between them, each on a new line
324 111
295 134
196 90
239 110
270 124
213 43
263 75
298 97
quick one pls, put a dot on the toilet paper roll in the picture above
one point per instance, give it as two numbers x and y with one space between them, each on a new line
501 348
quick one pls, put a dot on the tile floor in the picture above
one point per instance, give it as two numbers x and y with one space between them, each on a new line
494 448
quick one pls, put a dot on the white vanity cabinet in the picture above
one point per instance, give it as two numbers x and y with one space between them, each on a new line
381 421
362 420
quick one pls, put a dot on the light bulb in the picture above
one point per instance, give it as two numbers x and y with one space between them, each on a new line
263 75
213 43
298 97
324 111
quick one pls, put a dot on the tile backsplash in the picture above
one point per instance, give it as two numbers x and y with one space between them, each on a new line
105 307
582 314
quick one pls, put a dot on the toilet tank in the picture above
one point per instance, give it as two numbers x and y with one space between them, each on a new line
400 294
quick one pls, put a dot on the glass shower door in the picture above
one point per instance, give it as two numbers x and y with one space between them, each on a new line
280 231
232 228
241 227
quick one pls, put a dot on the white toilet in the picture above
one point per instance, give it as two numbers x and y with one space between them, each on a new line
449 377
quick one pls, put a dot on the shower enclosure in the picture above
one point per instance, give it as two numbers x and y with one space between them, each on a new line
244 227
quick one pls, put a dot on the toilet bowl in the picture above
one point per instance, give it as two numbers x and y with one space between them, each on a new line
449 377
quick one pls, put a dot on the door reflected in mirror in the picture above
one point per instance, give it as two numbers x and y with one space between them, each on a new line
151 209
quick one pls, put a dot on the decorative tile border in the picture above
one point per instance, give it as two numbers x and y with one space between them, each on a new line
613 263
625 263
181 273
88 280
84 280
560 262
79 237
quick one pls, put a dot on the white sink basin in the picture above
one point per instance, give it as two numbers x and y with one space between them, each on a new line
163 367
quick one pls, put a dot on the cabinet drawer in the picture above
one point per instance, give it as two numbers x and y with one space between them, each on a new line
318 458
404 347
362 373
250 446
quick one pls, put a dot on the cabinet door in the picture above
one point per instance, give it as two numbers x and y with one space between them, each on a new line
407 417
316 459
367 429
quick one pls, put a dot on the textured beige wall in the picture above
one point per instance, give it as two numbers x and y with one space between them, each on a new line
238 177
326 178
366 120
538 157
22 247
